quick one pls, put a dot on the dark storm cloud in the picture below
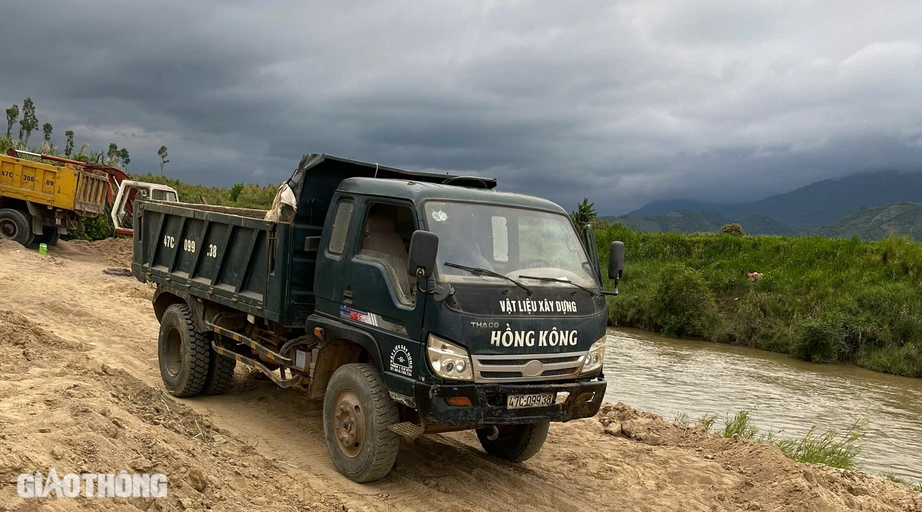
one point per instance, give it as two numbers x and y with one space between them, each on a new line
623 102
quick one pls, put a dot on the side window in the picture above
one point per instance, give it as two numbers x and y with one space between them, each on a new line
500 239
385 236
340 227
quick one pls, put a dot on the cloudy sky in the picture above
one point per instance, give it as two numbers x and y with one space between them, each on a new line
624 102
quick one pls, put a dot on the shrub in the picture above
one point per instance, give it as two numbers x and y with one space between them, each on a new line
732 229
820 340
682 303
97 228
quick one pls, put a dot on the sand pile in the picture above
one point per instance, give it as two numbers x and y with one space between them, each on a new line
64 411
771 479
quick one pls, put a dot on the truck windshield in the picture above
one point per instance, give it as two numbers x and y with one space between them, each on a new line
511 241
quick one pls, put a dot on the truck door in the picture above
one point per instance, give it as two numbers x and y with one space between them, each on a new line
331 286
378 292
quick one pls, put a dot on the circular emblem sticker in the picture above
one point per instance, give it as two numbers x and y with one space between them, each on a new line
439 216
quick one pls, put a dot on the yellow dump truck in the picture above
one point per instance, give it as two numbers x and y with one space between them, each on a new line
39 202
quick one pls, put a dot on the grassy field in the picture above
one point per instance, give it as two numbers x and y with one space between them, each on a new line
822 300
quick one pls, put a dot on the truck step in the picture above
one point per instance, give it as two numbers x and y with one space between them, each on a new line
275 357
281 382
407 429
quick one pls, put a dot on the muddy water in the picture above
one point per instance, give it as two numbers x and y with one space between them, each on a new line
670 377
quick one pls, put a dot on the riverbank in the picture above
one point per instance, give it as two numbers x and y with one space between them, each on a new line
82 393
821 300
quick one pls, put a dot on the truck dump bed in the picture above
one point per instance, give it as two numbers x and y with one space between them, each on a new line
222 254
234 257
83 192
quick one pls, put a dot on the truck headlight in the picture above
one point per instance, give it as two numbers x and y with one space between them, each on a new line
448 360
595 356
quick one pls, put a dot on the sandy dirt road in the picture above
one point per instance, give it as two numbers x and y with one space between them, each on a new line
80 391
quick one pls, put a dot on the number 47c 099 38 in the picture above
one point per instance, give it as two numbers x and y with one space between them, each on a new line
529 401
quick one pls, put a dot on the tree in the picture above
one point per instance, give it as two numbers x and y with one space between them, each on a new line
12 115
46 131
585 214
235 192
123 154
69 143
81 153
732 229
163 161
29 122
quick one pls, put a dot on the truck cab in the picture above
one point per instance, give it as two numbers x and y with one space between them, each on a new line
510 320
411 303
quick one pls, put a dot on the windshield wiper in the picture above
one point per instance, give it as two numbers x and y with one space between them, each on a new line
486 272
560 280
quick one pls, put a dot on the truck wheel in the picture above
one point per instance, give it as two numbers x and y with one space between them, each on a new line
184 354
49 236
514 443
220 374
357 412
15 226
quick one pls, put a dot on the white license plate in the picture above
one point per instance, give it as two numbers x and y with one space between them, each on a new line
526 401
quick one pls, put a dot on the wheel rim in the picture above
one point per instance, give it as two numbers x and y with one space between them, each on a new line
349 424
173 352
8 229
507 433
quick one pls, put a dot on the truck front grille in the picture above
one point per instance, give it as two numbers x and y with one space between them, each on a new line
527 368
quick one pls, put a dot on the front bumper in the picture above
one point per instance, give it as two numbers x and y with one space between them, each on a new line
488 403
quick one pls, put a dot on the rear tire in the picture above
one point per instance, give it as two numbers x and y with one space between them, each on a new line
357 411
515 443
183 353
220 374
49 236
15 226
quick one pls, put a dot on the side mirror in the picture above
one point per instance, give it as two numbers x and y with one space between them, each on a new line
616 260
424 246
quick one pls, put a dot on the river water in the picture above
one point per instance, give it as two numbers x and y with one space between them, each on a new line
670 377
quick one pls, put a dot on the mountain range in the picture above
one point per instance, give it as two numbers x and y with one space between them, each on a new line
867 205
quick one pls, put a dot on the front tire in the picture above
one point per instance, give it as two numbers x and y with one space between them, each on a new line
515 443
183 353
15 226
357 411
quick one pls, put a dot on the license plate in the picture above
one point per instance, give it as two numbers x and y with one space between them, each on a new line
527 401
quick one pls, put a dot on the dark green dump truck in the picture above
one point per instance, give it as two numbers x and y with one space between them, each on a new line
409 302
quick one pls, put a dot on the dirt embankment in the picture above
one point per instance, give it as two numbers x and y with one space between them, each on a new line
80 392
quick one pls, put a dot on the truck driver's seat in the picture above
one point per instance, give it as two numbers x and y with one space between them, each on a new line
382 243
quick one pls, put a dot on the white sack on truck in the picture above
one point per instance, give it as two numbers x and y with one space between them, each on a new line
284 205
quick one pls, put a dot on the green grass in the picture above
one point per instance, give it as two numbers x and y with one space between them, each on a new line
822 300
893 477
240 195
740 426
838 450
707 421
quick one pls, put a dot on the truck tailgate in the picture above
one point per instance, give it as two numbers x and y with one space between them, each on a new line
221 256
61 187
